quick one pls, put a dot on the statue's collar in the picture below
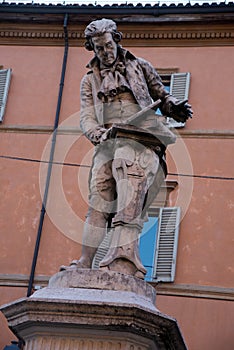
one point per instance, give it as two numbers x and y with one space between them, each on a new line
122 54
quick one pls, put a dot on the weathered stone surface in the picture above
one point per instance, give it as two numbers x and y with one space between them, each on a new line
103 280
97 343
42 323
128 168
74 318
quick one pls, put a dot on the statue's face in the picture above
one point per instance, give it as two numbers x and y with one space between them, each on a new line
105 48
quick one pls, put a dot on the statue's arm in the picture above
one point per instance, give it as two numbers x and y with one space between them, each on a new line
88 120
155 86
171 106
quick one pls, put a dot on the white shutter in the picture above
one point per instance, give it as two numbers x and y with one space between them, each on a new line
179 88
102 249
167 242
5 77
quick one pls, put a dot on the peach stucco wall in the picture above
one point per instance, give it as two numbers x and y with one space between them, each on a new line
211 86
36 75
205 324
205 254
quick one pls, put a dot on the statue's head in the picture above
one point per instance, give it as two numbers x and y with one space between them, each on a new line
102 37
98 28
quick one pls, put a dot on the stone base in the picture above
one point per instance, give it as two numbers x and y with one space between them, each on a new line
89 309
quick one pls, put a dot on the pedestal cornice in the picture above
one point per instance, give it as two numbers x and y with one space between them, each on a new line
115 311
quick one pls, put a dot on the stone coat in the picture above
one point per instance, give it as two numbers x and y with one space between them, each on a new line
144 82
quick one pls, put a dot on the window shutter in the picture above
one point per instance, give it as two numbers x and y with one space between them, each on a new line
179 88
5 77
102 249
167 242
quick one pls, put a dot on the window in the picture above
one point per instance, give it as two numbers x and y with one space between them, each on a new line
157 245
179 88
177 84
5 77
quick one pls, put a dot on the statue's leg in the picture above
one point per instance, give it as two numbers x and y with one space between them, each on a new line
154 188
101 204
93 234
134 169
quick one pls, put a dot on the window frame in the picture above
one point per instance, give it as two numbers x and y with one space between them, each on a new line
5 79
178 84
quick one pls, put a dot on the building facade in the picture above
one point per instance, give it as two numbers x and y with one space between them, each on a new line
37 43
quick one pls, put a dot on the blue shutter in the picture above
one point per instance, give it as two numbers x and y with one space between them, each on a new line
5 77
147 246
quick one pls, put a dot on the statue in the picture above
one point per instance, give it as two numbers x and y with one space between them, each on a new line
130 143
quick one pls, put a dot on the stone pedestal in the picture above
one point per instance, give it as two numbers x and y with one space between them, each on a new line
93 310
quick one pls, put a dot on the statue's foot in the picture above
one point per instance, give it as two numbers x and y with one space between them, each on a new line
77 264
72 265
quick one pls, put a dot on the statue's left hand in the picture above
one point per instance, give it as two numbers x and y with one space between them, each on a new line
180 110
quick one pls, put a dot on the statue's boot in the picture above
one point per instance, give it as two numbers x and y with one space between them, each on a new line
123 255
85 261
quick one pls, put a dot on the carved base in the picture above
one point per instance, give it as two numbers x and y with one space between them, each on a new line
87 309
90 340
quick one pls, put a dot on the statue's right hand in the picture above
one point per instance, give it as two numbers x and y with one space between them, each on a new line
105 135
95 135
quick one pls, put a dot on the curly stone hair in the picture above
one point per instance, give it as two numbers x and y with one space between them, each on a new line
98 28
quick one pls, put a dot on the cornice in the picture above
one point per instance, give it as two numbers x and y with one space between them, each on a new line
184 133
174 36
177 290
151 35
206 134
195 291
38 129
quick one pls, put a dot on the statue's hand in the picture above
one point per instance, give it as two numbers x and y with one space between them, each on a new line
180 110
95 135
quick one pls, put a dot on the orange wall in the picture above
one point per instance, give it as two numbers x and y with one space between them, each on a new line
36 75
205 323
35 82
211 86
206 228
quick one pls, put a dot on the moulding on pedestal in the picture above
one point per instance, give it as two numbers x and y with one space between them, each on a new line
70 314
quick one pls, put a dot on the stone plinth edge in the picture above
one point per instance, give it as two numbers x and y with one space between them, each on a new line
72 325
102 280
93 309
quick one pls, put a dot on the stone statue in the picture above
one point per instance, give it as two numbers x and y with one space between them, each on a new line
130 142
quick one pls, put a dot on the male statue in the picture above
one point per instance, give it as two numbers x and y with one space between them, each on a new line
126 173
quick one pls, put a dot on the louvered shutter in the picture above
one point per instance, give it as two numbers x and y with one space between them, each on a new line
102 249
179 88
5 77
167 242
